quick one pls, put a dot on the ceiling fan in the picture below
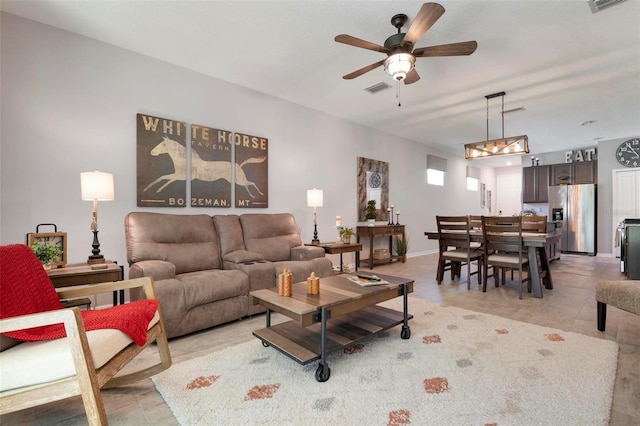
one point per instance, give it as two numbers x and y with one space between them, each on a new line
401 56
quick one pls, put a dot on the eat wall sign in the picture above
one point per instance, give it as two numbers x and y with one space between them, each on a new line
580 155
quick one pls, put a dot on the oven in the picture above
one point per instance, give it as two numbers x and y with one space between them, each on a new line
630 248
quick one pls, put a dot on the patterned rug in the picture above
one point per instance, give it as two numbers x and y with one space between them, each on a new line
458 368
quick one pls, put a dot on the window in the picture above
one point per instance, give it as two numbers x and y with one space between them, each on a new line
472 184
473 178
436 167
435 177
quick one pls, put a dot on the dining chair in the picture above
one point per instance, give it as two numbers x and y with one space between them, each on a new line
537 224
50 353
503 248
475 224
455 248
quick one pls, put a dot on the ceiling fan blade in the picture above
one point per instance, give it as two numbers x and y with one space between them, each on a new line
412 77
453 49
353 41
428 14
361 71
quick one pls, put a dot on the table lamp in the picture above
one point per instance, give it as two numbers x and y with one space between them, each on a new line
314 199
96 186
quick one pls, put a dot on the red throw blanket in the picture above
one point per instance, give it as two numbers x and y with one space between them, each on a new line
25 289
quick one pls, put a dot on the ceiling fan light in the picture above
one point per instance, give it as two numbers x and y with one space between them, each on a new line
399 65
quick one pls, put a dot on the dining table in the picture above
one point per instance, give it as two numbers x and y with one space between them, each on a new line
536 244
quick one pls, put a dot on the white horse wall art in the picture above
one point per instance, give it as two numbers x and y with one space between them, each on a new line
206 171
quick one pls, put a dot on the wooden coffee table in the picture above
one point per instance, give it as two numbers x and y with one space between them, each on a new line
343 310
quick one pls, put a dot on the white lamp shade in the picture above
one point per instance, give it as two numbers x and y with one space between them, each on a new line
314 197
96 186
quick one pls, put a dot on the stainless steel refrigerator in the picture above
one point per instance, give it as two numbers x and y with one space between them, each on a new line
575 207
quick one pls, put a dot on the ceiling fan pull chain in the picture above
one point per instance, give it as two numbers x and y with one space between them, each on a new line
398 92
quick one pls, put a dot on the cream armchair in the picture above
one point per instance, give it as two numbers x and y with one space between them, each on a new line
38 372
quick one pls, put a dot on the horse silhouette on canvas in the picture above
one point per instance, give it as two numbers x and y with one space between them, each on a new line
206 171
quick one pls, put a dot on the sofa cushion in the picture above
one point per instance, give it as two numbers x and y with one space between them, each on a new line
181 299
189 242
229 232
204 287
272 235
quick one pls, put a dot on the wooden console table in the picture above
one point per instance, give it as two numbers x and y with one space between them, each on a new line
82 274
377 231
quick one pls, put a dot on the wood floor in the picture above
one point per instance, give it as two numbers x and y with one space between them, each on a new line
569 306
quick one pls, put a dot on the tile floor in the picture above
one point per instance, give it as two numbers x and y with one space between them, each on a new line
569 306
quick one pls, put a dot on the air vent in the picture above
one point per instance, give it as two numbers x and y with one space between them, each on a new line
598 5
377 87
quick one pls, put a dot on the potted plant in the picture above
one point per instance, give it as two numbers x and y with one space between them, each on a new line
46 253
401 247
370 212
345 234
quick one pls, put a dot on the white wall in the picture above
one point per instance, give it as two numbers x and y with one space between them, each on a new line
69 105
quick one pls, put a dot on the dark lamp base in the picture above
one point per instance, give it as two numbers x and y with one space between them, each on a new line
95 259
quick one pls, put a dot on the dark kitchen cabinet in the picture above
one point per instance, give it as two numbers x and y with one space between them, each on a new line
586 172
562 174
535 184
574 173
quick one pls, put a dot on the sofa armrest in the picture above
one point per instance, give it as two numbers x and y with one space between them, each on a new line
242 256
158 269
306 252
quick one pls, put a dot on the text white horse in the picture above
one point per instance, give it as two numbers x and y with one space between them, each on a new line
207 171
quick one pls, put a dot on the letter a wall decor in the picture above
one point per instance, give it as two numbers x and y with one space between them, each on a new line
210 167
161 156
251 171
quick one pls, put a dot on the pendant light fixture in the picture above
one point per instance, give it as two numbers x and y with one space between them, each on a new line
516 145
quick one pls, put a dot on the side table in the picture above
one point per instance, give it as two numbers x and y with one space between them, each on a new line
339 248
82 274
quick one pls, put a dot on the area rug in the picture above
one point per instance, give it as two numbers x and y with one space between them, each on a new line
458 368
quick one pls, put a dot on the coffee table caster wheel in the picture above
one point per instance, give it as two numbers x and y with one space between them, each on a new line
323 372
406 332
265 344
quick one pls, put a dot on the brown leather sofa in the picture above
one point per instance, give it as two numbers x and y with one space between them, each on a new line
204 267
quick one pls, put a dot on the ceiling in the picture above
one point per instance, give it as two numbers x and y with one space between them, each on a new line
564 64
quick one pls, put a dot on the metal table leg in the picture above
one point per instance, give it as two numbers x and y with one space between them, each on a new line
323 372
268 319
406 330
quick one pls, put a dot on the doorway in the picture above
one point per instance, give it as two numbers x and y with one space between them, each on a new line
626 198
509 194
